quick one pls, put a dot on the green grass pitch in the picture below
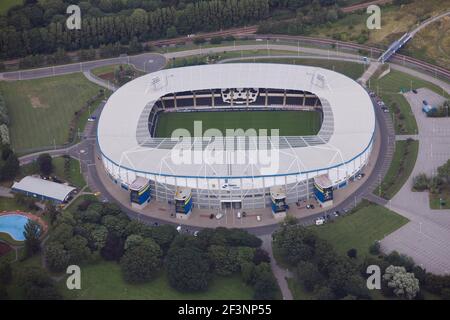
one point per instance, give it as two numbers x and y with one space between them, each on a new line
290 123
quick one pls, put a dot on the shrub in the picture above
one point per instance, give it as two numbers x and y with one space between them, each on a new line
375 248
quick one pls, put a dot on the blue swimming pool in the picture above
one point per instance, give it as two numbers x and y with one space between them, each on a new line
13 224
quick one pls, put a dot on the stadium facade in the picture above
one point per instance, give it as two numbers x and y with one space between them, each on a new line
130 150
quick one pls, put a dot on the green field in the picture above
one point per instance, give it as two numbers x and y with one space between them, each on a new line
389 89
290 123
402 165
361 229
6 4
104 281
73 175
41 109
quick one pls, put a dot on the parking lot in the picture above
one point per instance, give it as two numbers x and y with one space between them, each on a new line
427 236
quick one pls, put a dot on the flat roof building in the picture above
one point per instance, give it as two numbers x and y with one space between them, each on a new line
43 189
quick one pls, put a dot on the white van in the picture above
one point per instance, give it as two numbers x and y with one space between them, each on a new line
320 221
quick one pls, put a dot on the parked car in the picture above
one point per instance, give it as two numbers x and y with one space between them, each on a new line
319 221
414 91
309 206
179 229
238 215
219 216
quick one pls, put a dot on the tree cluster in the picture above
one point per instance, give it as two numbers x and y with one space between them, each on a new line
39 28
318 267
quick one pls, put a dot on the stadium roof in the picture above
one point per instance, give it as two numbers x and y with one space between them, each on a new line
352 113
48 189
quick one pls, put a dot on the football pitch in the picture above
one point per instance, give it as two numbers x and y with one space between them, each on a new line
290 123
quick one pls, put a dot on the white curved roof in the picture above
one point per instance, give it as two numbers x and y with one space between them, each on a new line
354 118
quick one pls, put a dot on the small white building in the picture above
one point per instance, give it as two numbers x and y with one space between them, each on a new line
43 189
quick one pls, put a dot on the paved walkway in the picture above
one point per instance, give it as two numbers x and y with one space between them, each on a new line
426 237
280 273
373 67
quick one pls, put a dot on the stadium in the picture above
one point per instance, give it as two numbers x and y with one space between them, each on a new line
163 136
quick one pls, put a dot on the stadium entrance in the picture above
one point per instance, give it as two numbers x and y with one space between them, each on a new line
231 204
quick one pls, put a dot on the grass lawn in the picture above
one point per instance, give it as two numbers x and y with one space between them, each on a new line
10 204
104 281
6 4
290 123
74 205
74 176
435 202
389 89
431 44
350 69
41 109
5 237
360 229
107 72
402 164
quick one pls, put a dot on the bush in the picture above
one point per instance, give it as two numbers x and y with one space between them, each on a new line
352 253
420 182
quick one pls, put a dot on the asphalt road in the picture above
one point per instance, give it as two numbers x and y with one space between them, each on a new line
147 62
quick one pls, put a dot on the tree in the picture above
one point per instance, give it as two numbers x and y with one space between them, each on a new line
223 261
352 253
187 269
6 151
51 212
45 164
163 235
77 249
10 168
260 255
171 32
56 257
5 273
133 240
264 282
38 285
402 283
140 263
325 293
114 247
32 233
308 275
295 242
398 259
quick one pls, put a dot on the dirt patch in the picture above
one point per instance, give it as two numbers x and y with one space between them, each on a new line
36 102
